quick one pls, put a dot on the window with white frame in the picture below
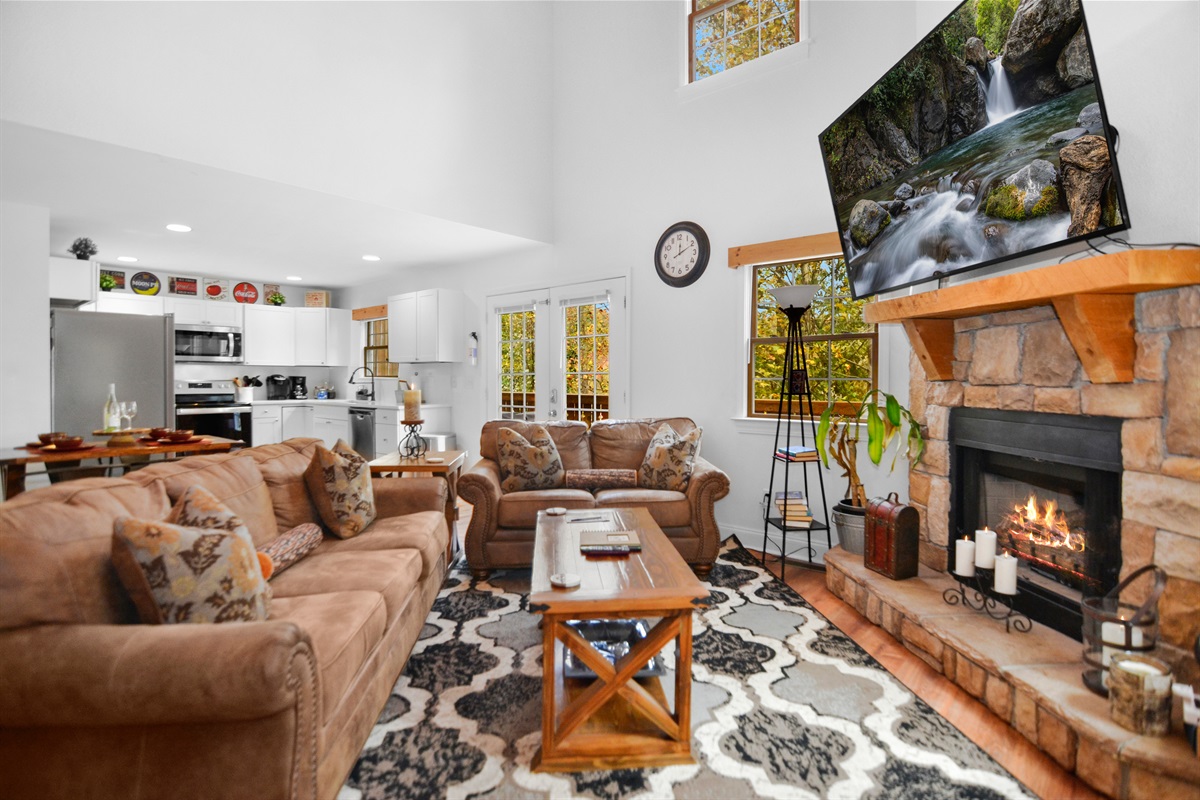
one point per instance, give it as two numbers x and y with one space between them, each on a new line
726 33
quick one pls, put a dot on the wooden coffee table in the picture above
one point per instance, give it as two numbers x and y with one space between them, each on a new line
615 720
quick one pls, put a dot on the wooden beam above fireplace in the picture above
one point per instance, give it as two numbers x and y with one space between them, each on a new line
1094 299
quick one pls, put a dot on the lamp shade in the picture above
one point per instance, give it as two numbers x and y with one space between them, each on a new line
800 296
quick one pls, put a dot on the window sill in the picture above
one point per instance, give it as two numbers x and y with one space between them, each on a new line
764 426
743 73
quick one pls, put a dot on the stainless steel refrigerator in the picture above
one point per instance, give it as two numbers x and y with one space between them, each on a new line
89 350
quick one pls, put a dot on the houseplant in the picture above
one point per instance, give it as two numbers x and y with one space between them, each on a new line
838 435
276 298
83 248
107 282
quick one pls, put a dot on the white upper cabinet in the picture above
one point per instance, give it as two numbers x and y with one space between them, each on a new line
204 312
110 303
270 335
322 337
426 326
72 280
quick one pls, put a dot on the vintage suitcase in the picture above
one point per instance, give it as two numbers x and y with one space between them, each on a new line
892 536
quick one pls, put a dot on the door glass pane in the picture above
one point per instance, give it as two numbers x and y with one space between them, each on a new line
517 379
585 346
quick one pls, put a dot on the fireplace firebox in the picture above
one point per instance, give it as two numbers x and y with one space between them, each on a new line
1050 486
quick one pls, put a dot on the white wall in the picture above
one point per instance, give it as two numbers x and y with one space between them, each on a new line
438 108
24 323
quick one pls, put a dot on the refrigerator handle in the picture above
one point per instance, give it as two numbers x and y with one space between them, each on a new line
169 368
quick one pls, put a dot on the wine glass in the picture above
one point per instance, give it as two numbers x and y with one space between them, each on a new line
128 410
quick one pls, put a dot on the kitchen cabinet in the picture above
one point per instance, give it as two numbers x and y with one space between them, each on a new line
72 280
120 303
387 431
426 326
265 425
204 312
330 424
322 337
269 335
297 421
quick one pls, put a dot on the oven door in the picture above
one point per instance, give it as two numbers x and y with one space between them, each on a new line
228 422
208 344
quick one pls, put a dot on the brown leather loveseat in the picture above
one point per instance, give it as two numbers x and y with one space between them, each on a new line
502 525
94 704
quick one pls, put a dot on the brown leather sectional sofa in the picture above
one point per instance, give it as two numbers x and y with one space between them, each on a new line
502 525
95 705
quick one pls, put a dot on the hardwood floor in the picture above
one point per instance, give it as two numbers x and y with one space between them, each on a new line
1010 749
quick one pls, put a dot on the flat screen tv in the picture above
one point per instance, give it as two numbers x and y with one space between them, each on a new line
988 141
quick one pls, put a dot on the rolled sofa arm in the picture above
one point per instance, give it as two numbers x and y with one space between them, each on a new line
707 485
480 486
395 497
100 675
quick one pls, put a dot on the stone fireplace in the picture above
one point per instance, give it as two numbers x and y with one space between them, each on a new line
1061 405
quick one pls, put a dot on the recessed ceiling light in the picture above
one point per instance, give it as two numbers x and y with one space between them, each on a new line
130 259
175 226
370 258
294 278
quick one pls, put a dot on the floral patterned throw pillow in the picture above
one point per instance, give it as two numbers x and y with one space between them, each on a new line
669 459
527 464
197 565
339 481
288 548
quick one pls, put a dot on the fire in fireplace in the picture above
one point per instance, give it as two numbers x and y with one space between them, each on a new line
1050 486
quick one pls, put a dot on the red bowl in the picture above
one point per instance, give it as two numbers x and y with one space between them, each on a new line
178 436
68 443
159 433
47 438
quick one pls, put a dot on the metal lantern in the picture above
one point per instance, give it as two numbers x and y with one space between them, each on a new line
1112 627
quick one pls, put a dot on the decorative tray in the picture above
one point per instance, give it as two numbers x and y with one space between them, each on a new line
614 638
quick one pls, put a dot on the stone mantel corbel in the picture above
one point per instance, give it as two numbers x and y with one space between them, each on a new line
1094 299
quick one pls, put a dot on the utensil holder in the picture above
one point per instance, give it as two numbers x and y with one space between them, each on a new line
245 394
1112 627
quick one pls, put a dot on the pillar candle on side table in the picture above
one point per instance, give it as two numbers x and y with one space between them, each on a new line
412 404
964 557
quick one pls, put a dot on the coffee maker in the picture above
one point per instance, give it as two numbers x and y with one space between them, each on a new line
278 387
299 387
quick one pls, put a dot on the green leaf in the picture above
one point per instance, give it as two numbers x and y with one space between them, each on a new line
874 433
822 431
893 409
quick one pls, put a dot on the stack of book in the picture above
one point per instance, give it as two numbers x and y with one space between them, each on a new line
796 452
793 508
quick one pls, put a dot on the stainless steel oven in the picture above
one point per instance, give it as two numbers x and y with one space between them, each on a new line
208 408
208 343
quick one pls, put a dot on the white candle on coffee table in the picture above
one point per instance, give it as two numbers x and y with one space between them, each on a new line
985 548
964 558
1006 574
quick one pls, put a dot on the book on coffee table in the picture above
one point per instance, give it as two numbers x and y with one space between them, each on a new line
609 542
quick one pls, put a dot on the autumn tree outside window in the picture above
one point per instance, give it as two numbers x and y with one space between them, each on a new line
375 353
841 349
726 33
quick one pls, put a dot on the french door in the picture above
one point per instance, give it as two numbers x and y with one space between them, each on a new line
559 353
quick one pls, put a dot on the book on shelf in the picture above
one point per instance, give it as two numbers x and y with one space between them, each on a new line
795 457
794 496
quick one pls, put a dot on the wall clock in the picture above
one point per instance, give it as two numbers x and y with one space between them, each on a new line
681 254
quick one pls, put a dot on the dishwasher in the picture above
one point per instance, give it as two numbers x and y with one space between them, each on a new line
362 432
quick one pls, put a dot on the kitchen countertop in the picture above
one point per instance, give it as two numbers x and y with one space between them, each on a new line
343 403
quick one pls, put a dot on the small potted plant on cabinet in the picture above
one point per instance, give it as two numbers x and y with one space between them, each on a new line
276 298
83 248
838 435
107 282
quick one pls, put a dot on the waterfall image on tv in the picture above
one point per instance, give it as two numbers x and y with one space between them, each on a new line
988 141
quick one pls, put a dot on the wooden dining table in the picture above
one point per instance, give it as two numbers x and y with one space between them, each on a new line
15 460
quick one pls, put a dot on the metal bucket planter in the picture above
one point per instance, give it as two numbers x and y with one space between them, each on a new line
850 522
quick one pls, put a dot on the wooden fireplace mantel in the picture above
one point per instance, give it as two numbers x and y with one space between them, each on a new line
1094 299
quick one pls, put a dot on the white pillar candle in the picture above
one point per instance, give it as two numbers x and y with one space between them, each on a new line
964 557
1112 634
985 549
1006 574
1138 668
412 405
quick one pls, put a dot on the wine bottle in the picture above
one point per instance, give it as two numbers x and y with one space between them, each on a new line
112 411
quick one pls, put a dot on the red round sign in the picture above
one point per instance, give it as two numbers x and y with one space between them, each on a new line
245 293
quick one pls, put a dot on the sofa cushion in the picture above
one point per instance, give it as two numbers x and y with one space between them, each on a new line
197 565
56 552
669 459
282 467
235 482
424 531
593 479
339 481
621 443
520 509
393 573
570 437
669 509
344 627
288 548
527 464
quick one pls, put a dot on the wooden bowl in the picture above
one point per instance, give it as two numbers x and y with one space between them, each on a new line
47 438
159 433
68 442
178 436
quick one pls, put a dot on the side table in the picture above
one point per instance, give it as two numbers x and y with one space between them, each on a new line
450 467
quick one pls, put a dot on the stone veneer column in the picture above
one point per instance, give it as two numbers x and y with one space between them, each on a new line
1022 361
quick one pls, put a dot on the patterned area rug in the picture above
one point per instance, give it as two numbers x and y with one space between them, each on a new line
784 705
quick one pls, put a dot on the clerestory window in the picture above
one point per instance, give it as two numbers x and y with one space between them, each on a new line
725 33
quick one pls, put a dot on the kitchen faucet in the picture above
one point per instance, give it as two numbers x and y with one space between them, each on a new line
371 396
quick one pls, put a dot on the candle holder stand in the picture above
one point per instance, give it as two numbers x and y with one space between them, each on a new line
997 606
413 445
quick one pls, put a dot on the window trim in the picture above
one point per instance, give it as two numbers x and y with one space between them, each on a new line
368 347
693 15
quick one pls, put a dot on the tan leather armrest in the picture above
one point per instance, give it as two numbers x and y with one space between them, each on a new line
395 497
99 675
707 485
480 486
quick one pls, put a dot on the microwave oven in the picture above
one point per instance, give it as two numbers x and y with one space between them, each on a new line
208 343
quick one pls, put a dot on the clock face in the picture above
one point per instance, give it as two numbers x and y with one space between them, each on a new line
681 254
